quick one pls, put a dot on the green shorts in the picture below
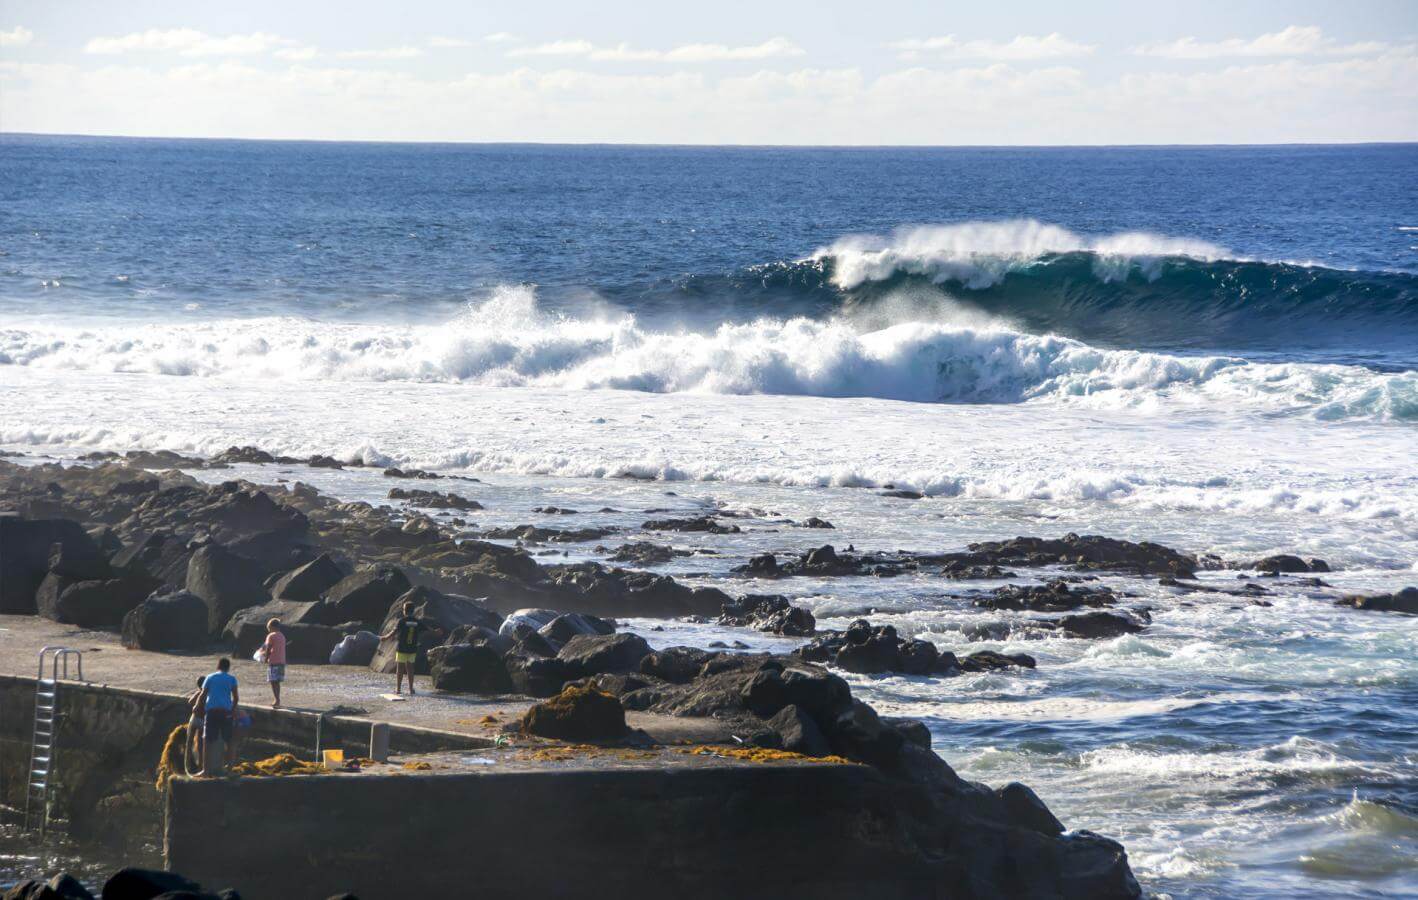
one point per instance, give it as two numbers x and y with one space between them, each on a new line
405 657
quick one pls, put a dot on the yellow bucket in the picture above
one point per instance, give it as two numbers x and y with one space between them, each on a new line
333 758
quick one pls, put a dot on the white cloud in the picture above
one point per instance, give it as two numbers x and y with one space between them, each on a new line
688 53
298 54
555 48
405 52
499 37
187 42
16 37
1285 100
440 41
1021 47
1295 40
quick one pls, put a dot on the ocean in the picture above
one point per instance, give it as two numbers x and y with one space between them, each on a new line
1215 348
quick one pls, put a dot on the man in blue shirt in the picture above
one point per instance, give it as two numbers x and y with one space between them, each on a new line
219 700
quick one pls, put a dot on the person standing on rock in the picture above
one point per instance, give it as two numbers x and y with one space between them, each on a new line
406 633
274 652
220 699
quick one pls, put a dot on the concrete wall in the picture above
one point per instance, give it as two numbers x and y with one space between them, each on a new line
108 744
743 831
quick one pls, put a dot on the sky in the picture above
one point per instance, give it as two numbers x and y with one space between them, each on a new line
729 72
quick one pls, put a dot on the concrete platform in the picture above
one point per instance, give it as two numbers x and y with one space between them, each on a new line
308 688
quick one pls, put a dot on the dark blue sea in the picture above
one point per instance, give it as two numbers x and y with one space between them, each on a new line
1211 347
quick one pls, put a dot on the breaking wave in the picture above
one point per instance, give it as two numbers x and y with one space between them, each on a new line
509 341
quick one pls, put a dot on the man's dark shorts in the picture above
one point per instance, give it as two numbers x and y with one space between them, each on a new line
218 725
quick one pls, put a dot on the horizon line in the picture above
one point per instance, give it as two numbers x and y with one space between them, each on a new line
745 146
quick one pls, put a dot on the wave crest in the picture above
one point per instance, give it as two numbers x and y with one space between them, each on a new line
979 254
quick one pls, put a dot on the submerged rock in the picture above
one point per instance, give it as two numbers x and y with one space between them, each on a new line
535 534
433 499
1056 596
707 524
1288 564
768 612
1404 601
1086 552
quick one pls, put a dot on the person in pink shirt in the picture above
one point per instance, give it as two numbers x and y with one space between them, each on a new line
274 652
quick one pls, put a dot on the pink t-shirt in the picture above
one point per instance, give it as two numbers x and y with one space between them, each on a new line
275 649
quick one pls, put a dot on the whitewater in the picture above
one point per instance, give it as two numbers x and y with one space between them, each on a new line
1215 350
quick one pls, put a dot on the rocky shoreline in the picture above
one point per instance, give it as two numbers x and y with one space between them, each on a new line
176 564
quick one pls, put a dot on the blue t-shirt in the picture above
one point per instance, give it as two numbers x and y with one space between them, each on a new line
220 686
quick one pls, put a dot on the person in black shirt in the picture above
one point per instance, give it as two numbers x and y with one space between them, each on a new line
406 631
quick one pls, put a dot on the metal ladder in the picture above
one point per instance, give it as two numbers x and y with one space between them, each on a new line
46 724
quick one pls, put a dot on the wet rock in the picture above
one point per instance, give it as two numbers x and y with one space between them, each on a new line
83 561
433 499
92 604
990 661
61 887
913 730
468 668
824 562
1100 624
817 691
176 621
1026 810
133 883
306 584
159 555
645 553
226 582
568 625
765 565
918 657
798 732
1086 552
1404 601
578 713
554 511
679 665
535 675
592 588
1056 596
903 494
27 546
366 595
252 455
410 473
319 461
1285 563
594 654
707 524
534 534
1093 866
768 612
815 522
870 650
857 732
965 572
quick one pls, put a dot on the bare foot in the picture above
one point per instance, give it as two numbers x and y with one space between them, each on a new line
276 704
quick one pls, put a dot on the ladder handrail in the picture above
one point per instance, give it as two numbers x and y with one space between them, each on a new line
43 747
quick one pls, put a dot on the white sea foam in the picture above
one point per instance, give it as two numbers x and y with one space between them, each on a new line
507 341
